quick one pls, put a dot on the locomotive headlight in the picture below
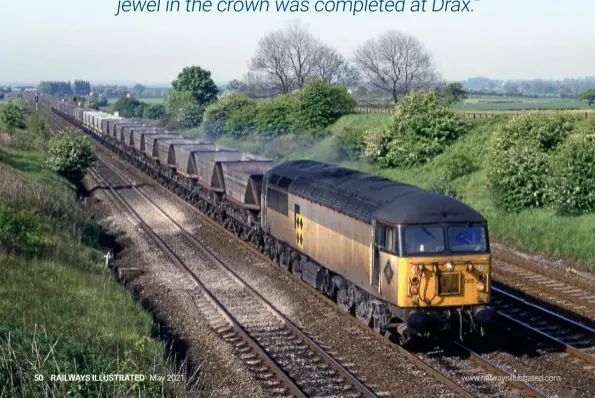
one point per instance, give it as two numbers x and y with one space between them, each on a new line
480 286
469 267
414 270
449 266
480 267
414 280
414 290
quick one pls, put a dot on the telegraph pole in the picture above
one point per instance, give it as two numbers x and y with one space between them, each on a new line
36 101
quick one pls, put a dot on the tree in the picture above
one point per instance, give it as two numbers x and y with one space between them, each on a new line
421 128
138 89
130 107
12 117
82 87
217 113
198 82
190 115
333 67
275 117
176 100
70 155
321 104
236 86
395 63
288 59
453 93
155 111
96 103
588 96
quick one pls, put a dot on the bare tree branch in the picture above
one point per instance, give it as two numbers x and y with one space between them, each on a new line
395 63
290 58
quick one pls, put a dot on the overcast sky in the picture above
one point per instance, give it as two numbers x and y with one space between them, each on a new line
82 39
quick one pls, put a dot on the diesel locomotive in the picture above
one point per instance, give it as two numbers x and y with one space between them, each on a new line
403 260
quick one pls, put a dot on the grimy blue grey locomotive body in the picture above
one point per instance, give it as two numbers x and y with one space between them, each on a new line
401 259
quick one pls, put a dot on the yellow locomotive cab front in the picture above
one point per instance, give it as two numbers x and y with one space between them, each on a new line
444 282
435 275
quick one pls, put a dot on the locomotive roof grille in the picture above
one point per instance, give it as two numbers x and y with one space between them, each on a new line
367 197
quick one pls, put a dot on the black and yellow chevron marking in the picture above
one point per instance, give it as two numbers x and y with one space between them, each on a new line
299 231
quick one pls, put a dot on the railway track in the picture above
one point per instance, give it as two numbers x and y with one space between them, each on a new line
342 384
559 289
477 358
285 359
571 336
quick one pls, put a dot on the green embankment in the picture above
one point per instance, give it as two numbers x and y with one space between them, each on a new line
61 312
539 230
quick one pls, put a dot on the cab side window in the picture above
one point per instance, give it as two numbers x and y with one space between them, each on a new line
389 241
386 238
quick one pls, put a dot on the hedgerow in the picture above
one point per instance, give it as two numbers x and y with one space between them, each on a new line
421 128
217 113
320 104
571 185
275 118
519 162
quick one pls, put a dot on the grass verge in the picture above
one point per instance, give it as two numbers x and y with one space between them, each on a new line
61 312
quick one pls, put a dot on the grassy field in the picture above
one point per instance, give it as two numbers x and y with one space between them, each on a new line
516 103
61 312
149 100
510 104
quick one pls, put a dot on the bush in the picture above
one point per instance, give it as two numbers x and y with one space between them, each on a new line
241 122
217 113
190 115
176 100
96 103
19 230
571 186
276 117
70 155
351 140
130 107
320 104
518 159
421 128
12 117
156 111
